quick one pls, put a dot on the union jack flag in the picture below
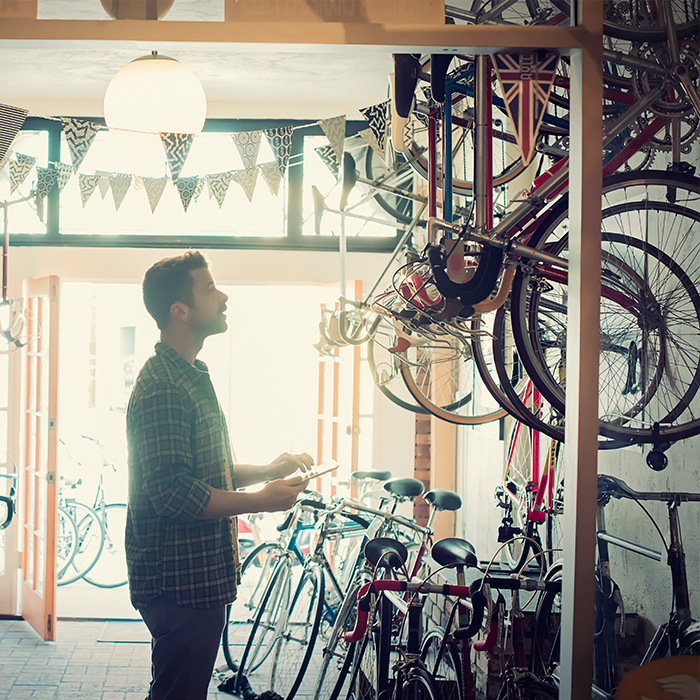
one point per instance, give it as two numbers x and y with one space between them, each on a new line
526 80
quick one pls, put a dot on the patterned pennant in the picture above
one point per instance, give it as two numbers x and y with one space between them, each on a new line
45 181
19 169
198 189
88 184
80 134
103 182
272 176
4 160
370 139
120 183
525 84
138 183
376 117
186 187
11 120
64 174
281 143
154 189
248 145
177 148
327 155
218 186
246 179
334 129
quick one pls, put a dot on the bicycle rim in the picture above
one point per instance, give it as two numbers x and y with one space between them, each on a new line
419 685
637 20
90 541
109 570
443 663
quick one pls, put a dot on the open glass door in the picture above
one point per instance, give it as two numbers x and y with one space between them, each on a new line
38 441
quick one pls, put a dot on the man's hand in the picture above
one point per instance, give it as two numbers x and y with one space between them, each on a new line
280 494
288 463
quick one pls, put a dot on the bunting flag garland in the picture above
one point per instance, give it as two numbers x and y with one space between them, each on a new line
246 179
103 182
272 176
377 118
177 148
64 174
218 186
45 181
369 137
19 169
198 189
88 184
327 155
154 189
526 82
79 134
186 187
11 120
120 183
248 145
138 183
280 141
334 129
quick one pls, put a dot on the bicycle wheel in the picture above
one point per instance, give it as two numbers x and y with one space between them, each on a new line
364 680
400 177
529 688
337 653
66 543
650 308
89 543
109 570
271 611
555 522
638 20
444 665
255 574
418 684
545 653
295 640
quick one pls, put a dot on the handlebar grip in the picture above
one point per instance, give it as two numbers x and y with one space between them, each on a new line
10 511
319 505
363 601
490 642
478 603
356 519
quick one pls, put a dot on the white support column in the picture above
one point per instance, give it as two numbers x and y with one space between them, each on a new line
583 349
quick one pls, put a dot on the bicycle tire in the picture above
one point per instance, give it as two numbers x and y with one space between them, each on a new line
444 664
635 21
418 684
545 654
294 643
364 679
669 228
529 688
90 540
275 602
110 570
337 653
401 208
255 574
66 543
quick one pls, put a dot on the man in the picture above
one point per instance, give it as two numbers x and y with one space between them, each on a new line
181 537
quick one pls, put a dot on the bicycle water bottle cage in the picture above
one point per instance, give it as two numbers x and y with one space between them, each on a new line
451 551
404 487
474 290
387 552
443 499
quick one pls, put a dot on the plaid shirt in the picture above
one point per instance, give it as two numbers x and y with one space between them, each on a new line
179 449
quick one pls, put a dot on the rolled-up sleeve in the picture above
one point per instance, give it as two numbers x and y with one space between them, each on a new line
162 433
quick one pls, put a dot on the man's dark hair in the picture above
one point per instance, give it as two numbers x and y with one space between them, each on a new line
168 281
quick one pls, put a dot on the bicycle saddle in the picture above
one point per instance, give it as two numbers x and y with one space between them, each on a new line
386 552
454 550
443 499
375 474
611 486
404 487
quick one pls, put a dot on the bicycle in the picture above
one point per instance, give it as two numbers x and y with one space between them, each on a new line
678 637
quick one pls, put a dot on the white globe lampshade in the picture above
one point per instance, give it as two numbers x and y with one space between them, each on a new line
155 94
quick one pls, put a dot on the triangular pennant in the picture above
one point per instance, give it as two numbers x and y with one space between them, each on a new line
281 143
272 176
11 120
186 187
88 184
64 174
218 186
4 160
103 182
246 179
377 118
154 189
19 169
526 81
198 189
79 134
327 155
138 183
177 148
45 181
248 145
370 139
334 129
120 183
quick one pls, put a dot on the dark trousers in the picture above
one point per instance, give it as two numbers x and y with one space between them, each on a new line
184 646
